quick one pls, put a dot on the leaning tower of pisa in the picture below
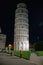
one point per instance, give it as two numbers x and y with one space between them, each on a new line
21 28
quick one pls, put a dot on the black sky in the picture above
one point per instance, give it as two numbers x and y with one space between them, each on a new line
7 15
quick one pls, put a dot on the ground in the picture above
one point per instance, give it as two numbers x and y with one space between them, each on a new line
36 59
6 59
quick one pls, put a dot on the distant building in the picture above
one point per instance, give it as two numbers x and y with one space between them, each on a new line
21 31
2 40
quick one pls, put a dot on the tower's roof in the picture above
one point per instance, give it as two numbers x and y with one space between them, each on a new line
21 5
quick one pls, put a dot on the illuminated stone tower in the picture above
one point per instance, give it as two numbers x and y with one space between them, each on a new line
21 32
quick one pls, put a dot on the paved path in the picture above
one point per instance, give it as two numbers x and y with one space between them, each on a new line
6 59
36 59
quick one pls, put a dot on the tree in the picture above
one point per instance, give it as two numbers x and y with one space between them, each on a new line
39 46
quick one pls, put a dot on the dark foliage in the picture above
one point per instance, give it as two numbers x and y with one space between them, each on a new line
39 46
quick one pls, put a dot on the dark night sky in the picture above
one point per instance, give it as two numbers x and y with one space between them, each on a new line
7 13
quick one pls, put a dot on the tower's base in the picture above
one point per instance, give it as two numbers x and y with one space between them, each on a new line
24 46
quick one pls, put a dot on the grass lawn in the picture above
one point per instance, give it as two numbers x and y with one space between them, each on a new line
39 53
17 53
25 54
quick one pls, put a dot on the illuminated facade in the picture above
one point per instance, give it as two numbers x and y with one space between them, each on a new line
2 40
21 32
